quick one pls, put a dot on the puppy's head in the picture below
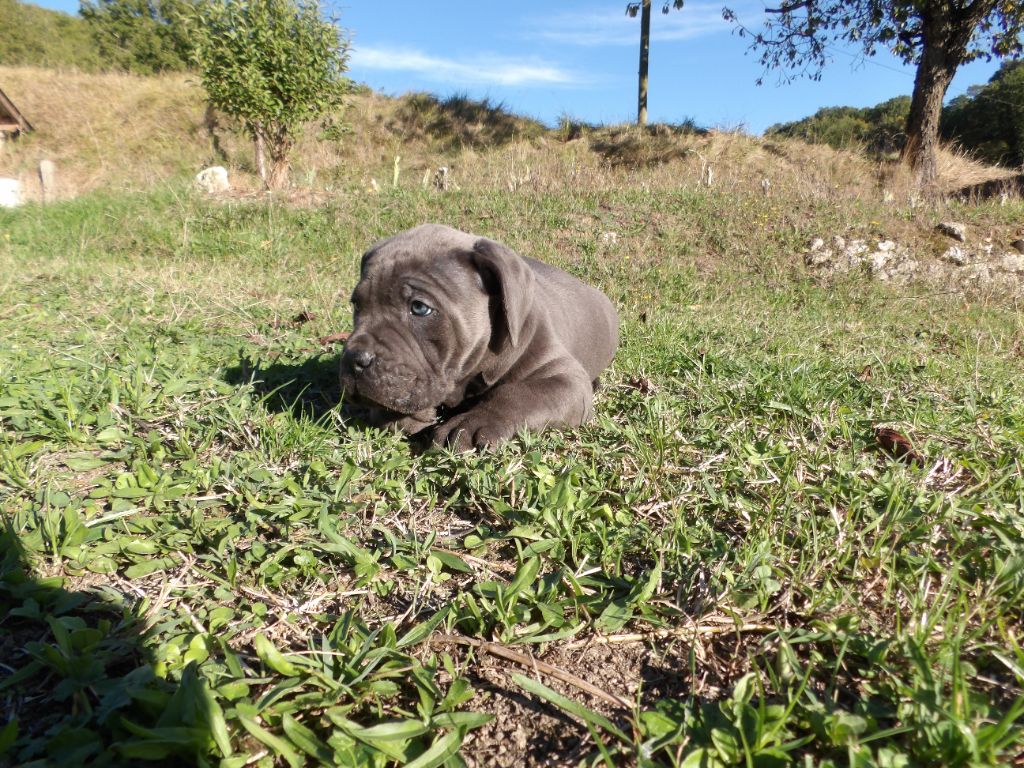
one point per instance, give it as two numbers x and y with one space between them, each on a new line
432 307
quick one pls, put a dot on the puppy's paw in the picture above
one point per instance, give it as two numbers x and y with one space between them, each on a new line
472 430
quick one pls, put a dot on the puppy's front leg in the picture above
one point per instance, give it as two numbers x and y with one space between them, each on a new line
561 399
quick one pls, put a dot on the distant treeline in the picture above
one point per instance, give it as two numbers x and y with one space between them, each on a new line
987 121
123 35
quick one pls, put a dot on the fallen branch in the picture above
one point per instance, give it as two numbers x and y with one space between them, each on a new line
504 652
700 630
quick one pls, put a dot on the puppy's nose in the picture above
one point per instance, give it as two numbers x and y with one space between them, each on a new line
360 359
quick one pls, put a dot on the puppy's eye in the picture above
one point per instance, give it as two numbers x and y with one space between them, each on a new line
420 309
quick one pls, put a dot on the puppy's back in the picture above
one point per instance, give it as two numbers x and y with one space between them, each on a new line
582 317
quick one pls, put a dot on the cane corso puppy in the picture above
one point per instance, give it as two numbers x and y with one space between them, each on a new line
459 335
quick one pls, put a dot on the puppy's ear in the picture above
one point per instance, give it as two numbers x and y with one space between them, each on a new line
509 280
365 261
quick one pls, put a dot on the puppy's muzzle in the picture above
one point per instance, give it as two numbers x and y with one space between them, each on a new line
358 359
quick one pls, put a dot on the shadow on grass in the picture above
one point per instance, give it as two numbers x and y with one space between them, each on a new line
77 681
309 388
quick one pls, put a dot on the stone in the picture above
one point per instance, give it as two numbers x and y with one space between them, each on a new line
953 229
956 255
1012 262
1019 245
10 193
441 179
213 180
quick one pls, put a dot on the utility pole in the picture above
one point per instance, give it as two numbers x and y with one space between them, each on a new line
645 48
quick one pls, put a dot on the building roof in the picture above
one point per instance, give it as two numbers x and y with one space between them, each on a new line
11 120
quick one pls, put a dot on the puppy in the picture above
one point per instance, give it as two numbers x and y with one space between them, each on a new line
459 335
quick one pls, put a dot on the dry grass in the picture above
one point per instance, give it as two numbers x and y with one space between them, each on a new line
116 131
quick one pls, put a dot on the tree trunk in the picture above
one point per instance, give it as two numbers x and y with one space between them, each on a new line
934 73
280 149
259 145
645 48
279 167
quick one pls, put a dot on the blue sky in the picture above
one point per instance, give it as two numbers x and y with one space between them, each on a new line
579 58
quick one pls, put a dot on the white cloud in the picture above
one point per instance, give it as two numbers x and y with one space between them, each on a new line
616 28
484 69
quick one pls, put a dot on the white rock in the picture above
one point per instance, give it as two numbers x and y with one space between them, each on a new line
856 248
955 255
213 180
1012 262
10 193
609 238
886 245
878 263
819 258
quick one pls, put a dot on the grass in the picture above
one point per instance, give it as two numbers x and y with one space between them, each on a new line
204 564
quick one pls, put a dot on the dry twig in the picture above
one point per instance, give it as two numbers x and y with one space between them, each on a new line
504 652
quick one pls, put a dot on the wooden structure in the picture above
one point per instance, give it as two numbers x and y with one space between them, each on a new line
12 122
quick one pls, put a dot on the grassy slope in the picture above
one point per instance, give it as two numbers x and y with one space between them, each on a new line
35 36
168 448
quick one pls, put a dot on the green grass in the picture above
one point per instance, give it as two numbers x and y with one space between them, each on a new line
203 564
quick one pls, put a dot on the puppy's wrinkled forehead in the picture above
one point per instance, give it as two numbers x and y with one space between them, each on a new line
422 244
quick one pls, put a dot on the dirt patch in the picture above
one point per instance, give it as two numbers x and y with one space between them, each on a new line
527 731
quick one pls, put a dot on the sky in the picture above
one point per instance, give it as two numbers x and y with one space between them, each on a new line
579 58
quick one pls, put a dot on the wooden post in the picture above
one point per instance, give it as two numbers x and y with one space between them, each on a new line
48 180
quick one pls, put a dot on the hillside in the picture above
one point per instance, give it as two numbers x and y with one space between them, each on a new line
35 36
115 131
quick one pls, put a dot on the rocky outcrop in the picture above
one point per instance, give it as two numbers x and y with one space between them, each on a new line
968 266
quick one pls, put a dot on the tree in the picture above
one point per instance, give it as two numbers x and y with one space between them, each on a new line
644 8
142 36
879 129
274 65
989 119
936 35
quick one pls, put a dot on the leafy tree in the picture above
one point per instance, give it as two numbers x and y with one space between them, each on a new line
143 36
879 129
936 35
644 9
274 65
989 119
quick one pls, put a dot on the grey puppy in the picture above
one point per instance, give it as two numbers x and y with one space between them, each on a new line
460 335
